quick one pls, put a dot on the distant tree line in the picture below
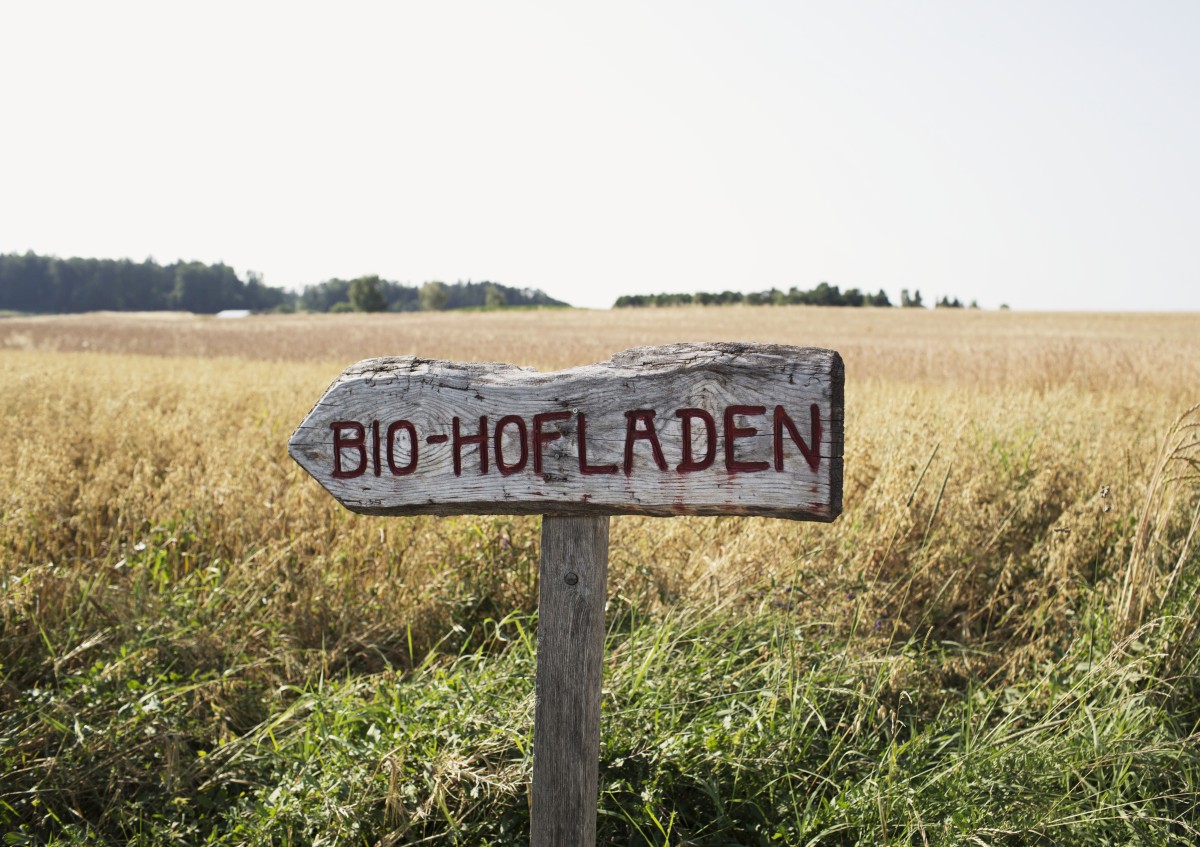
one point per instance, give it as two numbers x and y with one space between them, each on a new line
823 295
372 294
32 283
48 284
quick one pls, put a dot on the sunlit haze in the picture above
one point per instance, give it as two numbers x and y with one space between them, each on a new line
1037 154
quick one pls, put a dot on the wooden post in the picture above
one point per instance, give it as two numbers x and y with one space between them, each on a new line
570 652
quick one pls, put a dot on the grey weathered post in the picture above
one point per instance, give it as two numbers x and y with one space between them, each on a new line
684 429
570 653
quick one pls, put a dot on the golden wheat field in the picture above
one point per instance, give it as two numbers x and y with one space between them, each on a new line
177 596
988 456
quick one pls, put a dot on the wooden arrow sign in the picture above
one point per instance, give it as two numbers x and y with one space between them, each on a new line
684 429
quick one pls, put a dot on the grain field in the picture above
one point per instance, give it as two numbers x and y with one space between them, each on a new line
995 643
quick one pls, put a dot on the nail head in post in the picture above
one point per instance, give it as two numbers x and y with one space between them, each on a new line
571 577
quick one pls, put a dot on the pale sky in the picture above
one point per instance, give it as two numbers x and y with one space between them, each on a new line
1040 154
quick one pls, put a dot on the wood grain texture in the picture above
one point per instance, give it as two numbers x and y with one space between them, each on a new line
570 652
765 433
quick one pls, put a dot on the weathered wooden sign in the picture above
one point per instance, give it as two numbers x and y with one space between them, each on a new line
684 429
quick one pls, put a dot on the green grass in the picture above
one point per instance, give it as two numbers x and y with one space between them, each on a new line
719 727
996 643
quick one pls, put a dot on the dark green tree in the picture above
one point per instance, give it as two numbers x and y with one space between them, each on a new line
434 296
366 294
194 288
322 297
493 297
